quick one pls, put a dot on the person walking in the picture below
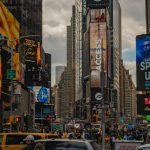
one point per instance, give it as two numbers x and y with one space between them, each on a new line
30 143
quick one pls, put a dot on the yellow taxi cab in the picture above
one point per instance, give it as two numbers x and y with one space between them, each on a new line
52 136
14 141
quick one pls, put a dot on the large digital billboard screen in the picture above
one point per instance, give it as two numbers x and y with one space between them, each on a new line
10 34
98 46
32 50
42 94
143 62
143 104
9 26
97 3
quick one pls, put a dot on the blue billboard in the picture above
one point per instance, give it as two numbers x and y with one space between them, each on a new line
143 62
42 94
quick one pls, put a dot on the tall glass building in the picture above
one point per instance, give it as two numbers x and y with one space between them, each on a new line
115 44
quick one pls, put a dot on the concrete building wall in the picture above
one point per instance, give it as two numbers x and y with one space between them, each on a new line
59 71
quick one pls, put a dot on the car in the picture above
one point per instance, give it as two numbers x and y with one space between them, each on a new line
144 147
68 144
15 141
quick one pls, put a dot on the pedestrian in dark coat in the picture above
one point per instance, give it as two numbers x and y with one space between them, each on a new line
39 146
30 143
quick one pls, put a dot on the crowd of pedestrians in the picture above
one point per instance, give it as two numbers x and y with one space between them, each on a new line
113 132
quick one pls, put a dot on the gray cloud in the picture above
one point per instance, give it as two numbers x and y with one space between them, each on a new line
133 21
56 47
56 16
133 9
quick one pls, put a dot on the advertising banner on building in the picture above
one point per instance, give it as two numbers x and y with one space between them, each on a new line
143 104
9 26
42 94
98 46
96 95
9 35
97 3
143 62
0 74
32 51
16 65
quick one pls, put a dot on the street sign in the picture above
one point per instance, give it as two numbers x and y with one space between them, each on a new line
11 74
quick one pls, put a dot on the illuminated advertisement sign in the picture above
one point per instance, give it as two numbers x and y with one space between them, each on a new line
9 26
98 46
96 95
42 94
32 51
97 3
143 104
0 74
143 62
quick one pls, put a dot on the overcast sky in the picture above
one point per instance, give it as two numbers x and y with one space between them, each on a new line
56 16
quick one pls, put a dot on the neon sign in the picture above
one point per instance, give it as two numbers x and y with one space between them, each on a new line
147 101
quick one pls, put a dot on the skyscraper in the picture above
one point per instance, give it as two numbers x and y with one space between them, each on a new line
115 45
147 3
59 72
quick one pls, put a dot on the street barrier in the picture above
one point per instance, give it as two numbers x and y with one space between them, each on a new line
127 145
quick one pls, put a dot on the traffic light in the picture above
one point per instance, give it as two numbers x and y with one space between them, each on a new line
94 118
108 113
11 119
17 119
28 120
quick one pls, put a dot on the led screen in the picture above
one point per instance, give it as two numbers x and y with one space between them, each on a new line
98 46
97 3
143 104
42 94
143 62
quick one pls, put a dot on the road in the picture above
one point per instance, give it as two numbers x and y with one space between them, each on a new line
107 147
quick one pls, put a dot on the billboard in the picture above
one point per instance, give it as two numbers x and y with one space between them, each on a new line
143 104
10 33
96 95
0 73
9 26
97 3
42 94
98 46
32 51
143 62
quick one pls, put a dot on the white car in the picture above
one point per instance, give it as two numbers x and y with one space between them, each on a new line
67 144
144 147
